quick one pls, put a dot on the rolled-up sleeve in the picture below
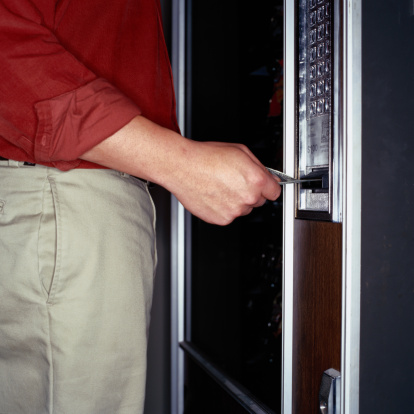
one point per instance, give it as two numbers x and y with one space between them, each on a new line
52 107
73 123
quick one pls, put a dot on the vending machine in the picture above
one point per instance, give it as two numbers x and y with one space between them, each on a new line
271 305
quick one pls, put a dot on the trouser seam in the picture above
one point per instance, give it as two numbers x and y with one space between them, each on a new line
56 275
50 408
38 237
51 368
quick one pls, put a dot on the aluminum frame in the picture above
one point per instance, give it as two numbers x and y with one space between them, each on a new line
351 210
289 129
178 218
351 205
351 238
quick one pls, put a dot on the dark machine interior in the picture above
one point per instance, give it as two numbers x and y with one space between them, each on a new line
236 84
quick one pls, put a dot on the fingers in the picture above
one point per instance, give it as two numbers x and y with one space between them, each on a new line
247 212
222 181
259 203
271 189
274 193
263 185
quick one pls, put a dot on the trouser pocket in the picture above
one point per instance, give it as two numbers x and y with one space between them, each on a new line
48 247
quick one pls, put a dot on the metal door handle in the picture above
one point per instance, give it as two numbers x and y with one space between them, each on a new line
330 392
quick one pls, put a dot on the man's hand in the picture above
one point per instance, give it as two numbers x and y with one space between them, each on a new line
221 181
215 181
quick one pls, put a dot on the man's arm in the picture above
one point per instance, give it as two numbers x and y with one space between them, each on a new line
53 107
215 181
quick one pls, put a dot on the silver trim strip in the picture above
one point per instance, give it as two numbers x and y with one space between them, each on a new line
289 202
232 387
337 136
188 132
178 219
178 57
177 305
351 271
188 276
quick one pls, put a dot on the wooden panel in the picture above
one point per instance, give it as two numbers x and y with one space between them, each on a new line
317 309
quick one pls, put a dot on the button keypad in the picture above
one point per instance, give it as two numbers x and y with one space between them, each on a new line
319 62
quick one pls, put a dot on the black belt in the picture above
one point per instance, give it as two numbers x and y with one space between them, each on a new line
24 162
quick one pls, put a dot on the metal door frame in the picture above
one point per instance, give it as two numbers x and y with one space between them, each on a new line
178 217
351 239
289 144
351 210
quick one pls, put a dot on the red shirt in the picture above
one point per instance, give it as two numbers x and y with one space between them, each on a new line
73 72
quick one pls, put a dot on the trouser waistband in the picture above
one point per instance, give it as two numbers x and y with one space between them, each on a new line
13 163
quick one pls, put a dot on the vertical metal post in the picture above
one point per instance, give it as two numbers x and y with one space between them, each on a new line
177 305
351 271
178 219
289 202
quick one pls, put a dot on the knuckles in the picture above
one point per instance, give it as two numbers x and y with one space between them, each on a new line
251 199
232 214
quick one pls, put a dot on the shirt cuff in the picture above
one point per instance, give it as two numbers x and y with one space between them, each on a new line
73 123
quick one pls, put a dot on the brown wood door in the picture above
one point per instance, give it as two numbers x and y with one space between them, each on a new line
317 309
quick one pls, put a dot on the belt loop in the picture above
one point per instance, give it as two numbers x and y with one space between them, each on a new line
15 164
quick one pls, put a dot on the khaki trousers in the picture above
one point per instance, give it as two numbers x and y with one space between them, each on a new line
77 260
